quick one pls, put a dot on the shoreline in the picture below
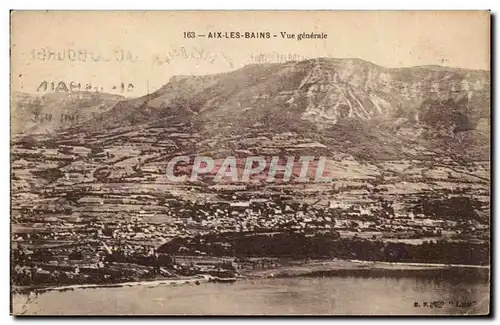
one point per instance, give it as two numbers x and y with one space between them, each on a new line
202 278
314 268
366 269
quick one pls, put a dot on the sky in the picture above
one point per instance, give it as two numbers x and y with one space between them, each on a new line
135 52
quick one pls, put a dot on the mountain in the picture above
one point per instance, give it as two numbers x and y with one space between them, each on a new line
320 90
52 111
346 105
351 100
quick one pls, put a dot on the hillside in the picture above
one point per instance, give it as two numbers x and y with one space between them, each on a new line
376 109
58 110
319 90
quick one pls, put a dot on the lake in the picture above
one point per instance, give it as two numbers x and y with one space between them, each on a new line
275 296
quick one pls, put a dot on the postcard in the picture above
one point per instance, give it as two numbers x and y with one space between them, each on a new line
250 163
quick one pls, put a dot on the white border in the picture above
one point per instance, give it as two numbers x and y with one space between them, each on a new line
189 5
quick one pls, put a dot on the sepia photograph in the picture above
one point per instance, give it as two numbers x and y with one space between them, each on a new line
179 163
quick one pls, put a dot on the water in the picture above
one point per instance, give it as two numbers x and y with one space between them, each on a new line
325 296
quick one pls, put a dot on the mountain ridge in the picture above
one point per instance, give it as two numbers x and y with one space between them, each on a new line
321 99
327 88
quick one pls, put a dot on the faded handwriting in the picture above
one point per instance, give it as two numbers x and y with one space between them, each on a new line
63 117
82 55
72 86
274 57
182 53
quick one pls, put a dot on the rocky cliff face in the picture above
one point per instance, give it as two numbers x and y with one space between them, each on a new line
353 88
